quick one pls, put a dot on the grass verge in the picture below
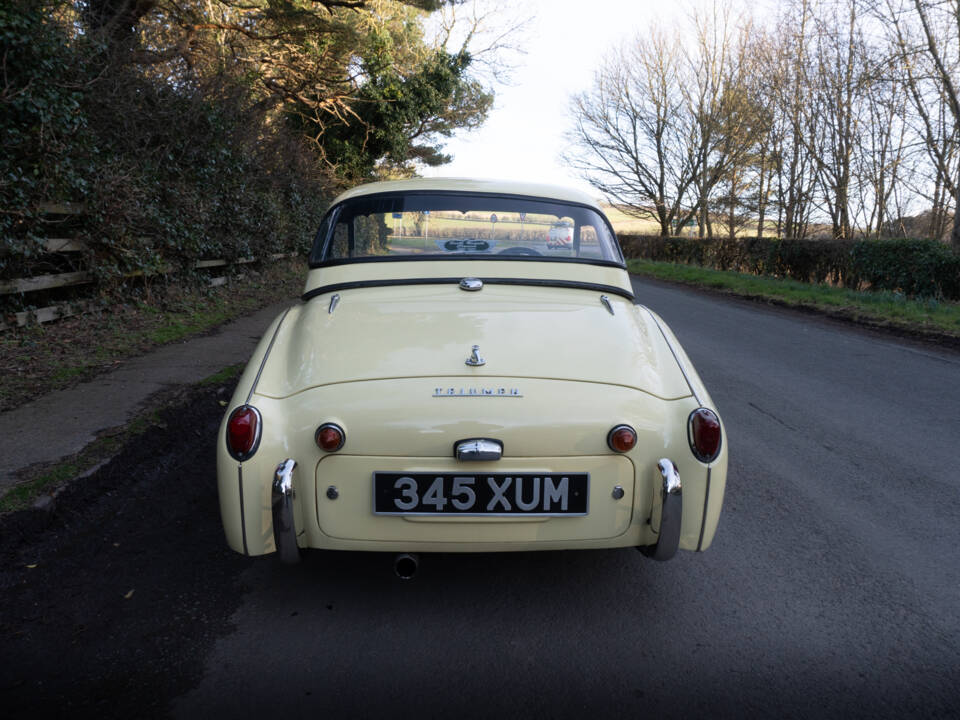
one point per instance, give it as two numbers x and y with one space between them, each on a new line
41 480
878 309
38 359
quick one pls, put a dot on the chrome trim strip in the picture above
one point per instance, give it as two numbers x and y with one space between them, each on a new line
571 284
284 530
703 520
468 257
671 513
451 516
477 392
606 303
683 370
243 518
333 303
266 355
477 449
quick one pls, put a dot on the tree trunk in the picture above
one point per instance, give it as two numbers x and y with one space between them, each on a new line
955 235
664 217
702 215
761 195
936 210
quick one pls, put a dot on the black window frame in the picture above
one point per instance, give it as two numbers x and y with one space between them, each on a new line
324 235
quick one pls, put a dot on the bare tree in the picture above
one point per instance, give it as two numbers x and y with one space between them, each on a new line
720 108
791 133
763 56
740 158
835 75
926 34
667 122
881 150
821 122
628 139
489 30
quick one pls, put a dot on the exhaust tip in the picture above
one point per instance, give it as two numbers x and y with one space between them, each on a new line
405 565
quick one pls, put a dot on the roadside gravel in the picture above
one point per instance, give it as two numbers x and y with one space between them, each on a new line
110 600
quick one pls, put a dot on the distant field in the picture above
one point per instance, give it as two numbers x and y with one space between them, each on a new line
481 226
624 224
629 225
477 226
412 232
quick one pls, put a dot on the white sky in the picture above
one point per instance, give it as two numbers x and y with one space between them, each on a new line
565 43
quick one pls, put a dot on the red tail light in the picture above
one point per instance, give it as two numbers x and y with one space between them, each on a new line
704 434
330 437
622 438
243 432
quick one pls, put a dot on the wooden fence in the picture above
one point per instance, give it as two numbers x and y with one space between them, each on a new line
70 247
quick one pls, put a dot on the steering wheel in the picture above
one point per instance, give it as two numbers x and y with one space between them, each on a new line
518 251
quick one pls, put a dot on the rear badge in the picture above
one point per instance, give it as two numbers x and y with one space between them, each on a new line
476 392
475 360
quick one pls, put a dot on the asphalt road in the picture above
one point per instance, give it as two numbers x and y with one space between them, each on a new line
832 588
833 584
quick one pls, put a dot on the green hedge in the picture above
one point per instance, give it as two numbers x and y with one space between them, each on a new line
923 268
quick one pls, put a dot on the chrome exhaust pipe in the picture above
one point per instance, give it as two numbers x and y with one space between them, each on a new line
405 565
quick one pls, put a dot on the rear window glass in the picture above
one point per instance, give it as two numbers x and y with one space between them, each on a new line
437 225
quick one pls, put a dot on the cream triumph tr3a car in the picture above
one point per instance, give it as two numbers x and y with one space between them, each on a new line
451 382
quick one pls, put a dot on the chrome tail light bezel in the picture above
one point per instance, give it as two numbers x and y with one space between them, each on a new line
330 426
614 430
258 433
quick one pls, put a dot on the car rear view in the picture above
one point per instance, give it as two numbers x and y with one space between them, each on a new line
454 381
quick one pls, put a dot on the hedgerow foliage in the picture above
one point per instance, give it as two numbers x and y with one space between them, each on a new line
167 174
922 268
181 178
209 129
45 134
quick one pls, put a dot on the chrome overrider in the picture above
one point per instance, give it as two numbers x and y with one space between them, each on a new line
670 511
284 529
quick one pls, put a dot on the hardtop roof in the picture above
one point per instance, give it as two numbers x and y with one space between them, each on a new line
467 185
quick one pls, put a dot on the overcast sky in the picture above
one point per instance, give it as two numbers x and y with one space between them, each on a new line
564 43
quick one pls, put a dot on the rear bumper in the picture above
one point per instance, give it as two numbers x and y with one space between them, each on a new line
669 507
284 525
666 515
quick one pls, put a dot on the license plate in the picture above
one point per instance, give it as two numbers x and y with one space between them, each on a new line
493 494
